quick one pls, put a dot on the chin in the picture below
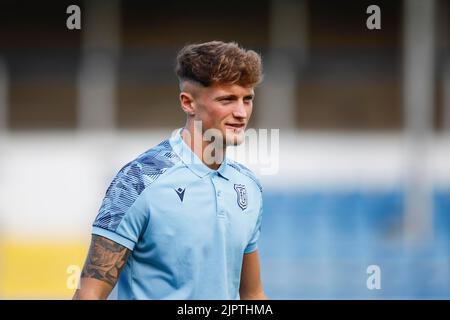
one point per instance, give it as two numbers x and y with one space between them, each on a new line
234 139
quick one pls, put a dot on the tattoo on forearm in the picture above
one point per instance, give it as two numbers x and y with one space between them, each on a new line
105 260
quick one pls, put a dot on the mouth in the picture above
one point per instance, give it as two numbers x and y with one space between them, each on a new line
235 126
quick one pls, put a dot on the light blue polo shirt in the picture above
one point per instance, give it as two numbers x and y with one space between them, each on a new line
188 226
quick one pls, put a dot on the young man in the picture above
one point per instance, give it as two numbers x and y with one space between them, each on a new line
182 221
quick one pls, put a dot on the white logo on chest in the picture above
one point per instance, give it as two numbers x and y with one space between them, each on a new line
242 199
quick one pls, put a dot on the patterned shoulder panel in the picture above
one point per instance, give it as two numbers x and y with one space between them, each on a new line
131 180
246 171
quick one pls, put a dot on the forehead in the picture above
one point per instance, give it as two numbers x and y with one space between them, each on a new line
229 89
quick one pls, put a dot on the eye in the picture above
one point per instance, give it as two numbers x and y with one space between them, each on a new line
226 100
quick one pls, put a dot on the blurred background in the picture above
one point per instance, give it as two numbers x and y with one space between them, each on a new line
364 149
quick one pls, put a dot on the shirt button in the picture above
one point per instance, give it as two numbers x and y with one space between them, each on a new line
219 193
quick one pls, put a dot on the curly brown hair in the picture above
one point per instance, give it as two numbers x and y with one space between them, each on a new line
217 62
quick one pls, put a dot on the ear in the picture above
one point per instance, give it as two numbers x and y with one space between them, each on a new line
187 103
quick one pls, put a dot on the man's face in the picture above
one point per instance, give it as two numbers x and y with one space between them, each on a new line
226 108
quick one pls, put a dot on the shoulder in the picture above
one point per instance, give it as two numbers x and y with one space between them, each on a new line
241 169
147 167
132 180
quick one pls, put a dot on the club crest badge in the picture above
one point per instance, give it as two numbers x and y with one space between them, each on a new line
242 199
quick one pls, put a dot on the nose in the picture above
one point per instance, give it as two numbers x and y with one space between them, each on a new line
239 111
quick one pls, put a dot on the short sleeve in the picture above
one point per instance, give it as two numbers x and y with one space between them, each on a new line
253 243
123 214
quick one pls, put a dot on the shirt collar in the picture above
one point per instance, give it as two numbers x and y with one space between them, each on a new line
192 161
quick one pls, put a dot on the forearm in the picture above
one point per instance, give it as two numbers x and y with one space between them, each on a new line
250 286
259 295
88 295
92 289
101 271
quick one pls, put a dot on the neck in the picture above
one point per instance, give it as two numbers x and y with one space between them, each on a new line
194 139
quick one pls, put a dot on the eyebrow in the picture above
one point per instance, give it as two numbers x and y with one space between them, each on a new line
232 97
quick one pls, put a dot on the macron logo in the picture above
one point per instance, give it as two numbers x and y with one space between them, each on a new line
180 193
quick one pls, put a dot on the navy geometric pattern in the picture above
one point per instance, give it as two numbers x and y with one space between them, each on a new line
131 180
244 170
